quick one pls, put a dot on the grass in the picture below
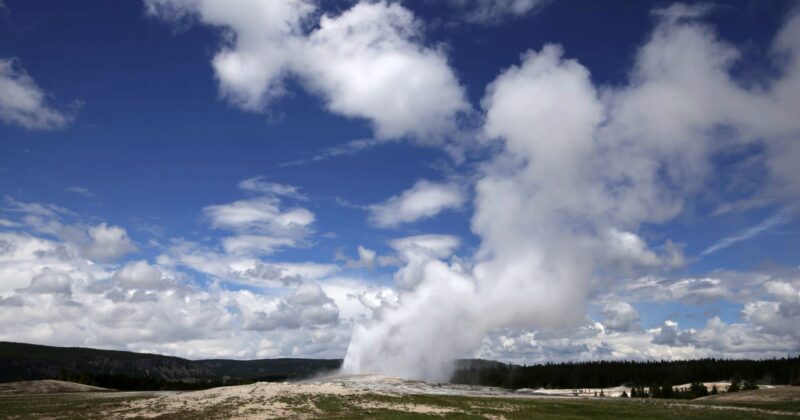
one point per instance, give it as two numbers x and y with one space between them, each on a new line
71 406
790 406
370 406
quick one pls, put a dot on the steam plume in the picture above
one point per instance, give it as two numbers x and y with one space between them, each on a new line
581 169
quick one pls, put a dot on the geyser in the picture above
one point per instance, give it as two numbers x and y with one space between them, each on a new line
579 171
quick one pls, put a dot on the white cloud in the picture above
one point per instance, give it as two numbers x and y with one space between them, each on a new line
489 12
308 307
261 214
81 191
243 269
629 250
55 297
369 62
350 148
260 185
424 200
679 11
589 340
367 258
255 244
782 315
670 335
101 243
732 340
718 285
23 103
436 246
620 316
262 224
8 223
259 40
140 275
107 243
49 281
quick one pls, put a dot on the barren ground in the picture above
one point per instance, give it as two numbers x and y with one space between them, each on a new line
371 396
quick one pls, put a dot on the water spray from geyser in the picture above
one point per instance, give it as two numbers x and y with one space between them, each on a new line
579 171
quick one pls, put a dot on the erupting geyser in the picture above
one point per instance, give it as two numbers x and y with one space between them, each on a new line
580 170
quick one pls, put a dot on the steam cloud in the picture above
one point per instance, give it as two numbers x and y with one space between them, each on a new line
581 169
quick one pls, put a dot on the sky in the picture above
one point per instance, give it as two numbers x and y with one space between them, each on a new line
401 183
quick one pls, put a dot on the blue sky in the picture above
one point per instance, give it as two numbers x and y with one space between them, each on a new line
612 171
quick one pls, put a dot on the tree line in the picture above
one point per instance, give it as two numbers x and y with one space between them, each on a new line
652 374
144 383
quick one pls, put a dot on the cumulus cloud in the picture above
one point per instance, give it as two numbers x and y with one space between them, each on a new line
259 40
720 338
669 334
620 316
718 285
259 214
24 103
424 200
140 275
308 307
243 269
54 296
780 316
107 243
368 62
362 60
102 243
367 258
630 251
262 223
50 282
436 246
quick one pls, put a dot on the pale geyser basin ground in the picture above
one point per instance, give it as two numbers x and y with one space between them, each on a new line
375 396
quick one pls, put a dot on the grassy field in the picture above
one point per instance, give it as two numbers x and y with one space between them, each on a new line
114 405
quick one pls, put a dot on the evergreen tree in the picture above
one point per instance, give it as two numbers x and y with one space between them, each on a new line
655 391
697 390
734 386
749 386
667 391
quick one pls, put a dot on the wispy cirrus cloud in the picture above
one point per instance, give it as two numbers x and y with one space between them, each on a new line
748 233
347 149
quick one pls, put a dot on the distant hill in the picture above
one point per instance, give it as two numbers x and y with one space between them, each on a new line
129 370
45 386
